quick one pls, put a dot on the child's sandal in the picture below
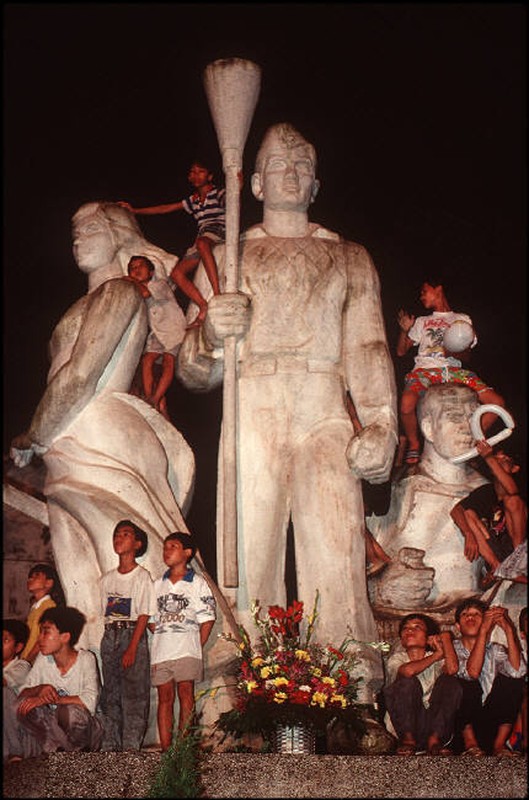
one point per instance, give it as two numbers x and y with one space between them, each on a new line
474 752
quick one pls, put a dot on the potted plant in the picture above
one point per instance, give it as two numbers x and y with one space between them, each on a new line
290 688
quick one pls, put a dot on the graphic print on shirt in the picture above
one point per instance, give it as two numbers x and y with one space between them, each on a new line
209 602
435 331
118 607
171 612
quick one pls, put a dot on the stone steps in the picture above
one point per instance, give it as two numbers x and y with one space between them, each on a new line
129 775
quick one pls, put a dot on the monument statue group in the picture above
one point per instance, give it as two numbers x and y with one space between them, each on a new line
304 322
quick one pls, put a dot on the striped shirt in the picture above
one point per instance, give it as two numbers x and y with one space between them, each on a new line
211 214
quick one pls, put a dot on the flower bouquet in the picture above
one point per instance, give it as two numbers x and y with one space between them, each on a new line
286 679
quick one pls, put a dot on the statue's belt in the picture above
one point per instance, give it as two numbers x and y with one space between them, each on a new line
271 366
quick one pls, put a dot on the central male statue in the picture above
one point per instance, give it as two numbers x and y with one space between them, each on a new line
309 321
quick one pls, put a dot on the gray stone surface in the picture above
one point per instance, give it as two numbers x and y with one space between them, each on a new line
113 775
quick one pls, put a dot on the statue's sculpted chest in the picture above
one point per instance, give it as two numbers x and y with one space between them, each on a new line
296 287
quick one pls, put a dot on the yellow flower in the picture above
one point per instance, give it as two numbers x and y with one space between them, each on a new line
280 682
316 671
266 672
280 697
339 698
250 686
319 699
257 661
241 645
329 680
302 655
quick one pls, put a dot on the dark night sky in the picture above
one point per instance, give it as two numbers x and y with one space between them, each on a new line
417 112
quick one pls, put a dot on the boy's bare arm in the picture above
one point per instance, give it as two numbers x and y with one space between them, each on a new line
513 643
205 630
477 654
43 695
459 516
404 342
412 668
129 656
34 696
451 665
164 208
507 482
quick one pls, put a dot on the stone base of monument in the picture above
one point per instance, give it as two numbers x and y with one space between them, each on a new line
130 774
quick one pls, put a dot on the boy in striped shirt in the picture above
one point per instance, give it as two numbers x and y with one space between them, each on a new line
207 205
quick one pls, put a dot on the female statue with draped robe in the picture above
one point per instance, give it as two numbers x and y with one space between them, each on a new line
108 454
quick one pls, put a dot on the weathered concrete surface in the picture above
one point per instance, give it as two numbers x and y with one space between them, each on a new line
109 775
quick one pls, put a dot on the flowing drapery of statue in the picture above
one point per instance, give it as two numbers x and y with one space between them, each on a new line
308 319
109 455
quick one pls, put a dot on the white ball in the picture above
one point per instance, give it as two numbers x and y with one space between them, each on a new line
458 336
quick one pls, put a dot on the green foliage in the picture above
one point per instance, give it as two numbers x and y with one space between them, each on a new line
179 773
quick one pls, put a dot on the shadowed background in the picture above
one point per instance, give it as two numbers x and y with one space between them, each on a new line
417 113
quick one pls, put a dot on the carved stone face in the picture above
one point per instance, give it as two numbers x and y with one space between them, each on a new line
285 177
288 179
93 243
447 425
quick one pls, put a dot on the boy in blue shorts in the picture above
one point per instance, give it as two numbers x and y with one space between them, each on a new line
184 618
433 364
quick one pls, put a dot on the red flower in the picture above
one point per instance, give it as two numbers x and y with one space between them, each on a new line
295 611
300 698
343 677
276 612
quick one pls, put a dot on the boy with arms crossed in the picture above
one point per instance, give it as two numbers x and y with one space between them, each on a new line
57 703
423 693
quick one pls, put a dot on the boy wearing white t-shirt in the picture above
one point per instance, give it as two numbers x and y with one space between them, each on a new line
56 707
127 597
433 363
184 618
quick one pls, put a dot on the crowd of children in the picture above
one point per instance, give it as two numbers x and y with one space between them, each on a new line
458 694
60 702
444 693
